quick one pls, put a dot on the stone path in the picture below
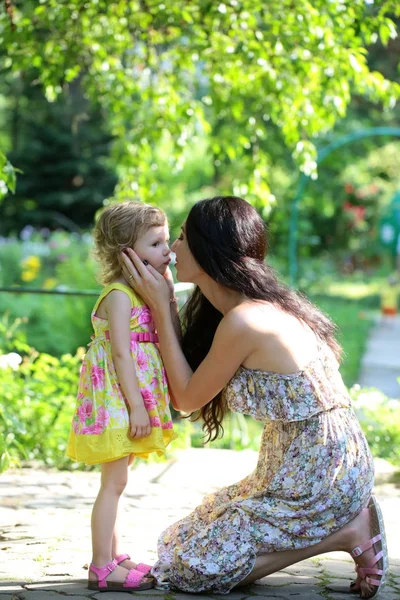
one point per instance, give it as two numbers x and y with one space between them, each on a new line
380 366
45 534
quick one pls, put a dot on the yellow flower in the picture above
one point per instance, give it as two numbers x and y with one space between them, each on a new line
31 262
49 283
28 275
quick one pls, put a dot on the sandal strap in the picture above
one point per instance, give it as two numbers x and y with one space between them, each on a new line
373 581
134 578
358 550
363 571
121 557
143 568
103 572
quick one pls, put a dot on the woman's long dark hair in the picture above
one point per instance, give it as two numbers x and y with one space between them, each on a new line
228 239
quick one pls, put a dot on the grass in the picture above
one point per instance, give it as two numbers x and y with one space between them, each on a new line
354 319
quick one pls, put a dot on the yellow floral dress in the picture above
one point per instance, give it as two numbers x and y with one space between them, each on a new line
314 474
100 425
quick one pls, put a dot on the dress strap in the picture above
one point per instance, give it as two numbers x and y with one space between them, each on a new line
134 298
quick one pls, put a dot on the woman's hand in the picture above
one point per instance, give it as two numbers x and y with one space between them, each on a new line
152 287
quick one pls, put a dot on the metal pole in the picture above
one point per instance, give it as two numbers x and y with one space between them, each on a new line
304 179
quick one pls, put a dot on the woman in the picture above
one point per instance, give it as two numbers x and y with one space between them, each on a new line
254 346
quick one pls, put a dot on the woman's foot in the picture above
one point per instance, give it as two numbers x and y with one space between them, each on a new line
356 536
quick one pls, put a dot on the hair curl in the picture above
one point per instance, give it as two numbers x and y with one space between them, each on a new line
228 239
119 226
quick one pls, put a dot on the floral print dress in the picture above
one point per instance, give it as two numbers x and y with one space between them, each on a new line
314 474
100 425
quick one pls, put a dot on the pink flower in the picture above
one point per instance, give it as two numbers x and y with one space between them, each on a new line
144 316
94 429
85 411
146 394
167 425
155 422
150 404
76 426
148 399
103 417
141 360
97 377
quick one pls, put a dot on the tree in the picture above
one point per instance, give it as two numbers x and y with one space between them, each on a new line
230 68
62 151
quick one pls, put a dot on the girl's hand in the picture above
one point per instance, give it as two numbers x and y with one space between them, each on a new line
139 422
145 280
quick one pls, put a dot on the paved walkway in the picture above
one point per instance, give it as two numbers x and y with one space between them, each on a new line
380 366
45 535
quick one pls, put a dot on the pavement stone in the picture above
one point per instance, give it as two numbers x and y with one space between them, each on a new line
380 365
45 529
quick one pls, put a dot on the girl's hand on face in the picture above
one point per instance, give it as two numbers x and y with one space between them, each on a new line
145 280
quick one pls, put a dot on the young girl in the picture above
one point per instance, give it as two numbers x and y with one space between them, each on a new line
122 405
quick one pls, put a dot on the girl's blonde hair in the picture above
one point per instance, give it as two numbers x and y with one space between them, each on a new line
119 226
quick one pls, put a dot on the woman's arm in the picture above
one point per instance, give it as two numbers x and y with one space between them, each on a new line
231 346
229 349
118 308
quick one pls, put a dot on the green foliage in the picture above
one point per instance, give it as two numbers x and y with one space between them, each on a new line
62 149
7 177
229 69
354 323
53 324
37 401
380 419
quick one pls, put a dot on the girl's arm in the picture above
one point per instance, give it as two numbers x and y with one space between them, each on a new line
231 346
118 308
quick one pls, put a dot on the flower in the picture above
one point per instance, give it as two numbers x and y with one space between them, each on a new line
103 417
30 268
155 422
49 283
10 361
94 429
85 411
97 377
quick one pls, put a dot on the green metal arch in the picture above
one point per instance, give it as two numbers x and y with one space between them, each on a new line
304 179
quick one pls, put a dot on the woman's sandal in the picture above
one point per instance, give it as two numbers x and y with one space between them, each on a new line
133 581
380 559
139 567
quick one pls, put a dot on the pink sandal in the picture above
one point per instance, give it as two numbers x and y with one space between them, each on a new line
139 567
380 559
133 581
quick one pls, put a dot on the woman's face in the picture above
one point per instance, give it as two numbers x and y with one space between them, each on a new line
187 269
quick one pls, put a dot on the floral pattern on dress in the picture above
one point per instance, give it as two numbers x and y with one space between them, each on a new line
314 474
100 426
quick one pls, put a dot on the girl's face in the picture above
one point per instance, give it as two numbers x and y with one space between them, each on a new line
187 269
153 246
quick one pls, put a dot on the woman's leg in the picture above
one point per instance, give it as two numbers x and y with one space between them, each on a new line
114 476
355 533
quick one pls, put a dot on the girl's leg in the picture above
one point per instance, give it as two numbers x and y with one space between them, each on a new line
116 547
114 476
355 533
